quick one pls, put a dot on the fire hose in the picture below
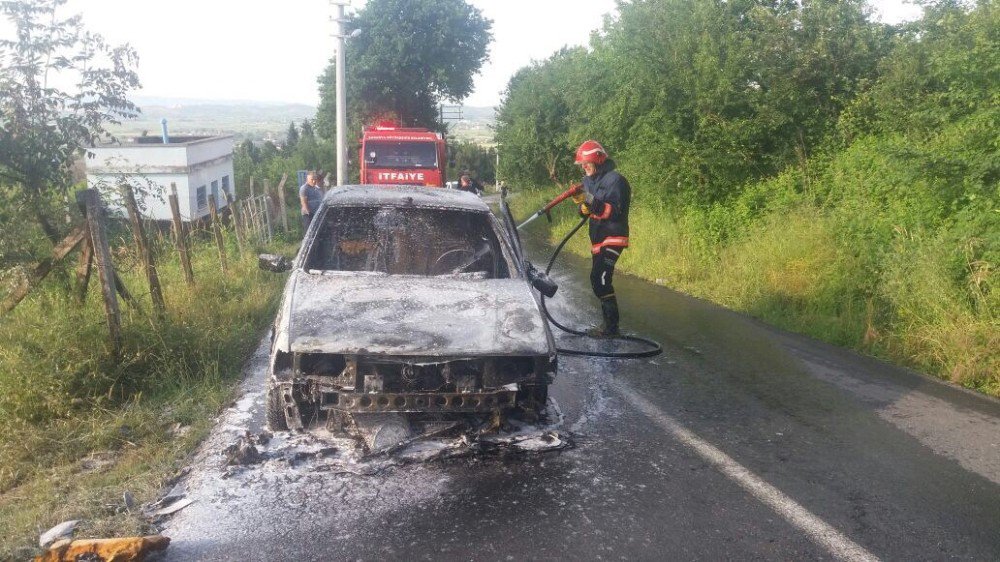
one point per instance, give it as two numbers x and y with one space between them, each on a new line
575 189
653 348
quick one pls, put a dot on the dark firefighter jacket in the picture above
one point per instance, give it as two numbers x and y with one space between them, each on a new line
609 209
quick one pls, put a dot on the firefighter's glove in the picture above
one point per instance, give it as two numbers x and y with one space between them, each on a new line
584 210
579 198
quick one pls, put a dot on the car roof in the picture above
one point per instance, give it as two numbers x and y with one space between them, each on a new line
403 195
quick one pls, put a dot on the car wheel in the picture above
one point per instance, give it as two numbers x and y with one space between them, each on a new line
275 410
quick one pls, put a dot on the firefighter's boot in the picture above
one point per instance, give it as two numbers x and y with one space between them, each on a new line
609 328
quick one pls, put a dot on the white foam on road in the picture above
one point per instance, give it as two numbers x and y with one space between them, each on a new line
836 543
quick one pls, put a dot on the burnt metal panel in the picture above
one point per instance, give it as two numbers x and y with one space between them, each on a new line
420 402
376 314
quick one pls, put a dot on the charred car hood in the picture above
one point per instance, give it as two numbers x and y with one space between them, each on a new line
377 314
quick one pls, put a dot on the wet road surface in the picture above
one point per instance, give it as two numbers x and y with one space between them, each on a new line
739 442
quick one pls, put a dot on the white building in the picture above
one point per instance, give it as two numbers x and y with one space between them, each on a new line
200 167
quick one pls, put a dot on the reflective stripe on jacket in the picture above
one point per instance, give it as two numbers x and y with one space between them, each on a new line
609 242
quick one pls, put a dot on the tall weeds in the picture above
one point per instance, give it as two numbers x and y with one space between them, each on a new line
67 404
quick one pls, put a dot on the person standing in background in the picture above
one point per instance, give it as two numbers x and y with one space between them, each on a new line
310 196
467 183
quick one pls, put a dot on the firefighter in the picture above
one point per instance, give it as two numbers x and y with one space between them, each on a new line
605 200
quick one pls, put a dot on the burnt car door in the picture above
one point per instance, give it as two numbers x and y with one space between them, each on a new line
511 227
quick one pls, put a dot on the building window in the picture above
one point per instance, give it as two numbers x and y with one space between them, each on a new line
202 198
215 193
225 185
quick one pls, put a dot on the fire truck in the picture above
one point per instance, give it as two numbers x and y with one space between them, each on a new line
402 156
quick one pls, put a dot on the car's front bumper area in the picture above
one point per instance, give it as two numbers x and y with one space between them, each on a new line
418 402
339 384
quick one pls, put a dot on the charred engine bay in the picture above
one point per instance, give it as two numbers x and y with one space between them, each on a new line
331 387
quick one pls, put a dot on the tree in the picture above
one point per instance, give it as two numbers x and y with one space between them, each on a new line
293 136
695 97
534 120
945 68
411 55
469 157
307 129
44 128
269 151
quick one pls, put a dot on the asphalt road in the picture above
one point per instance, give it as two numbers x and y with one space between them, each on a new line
739 442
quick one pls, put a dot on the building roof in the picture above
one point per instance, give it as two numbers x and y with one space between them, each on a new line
156 141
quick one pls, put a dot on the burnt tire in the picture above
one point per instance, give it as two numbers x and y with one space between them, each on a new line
275 410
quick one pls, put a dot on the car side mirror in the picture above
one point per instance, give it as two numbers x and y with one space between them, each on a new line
274 263
540 281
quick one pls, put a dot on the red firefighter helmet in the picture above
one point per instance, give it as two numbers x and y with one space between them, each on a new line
591 151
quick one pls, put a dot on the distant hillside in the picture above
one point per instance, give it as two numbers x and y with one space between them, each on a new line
261 120
479 114
476 125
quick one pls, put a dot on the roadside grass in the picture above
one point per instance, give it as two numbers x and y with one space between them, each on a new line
886 277
80 427
940 324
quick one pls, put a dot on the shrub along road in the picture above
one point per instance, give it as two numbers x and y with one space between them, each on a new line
739 442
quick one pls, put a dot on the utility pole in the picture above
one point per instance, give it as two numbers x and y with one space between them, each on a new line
341 92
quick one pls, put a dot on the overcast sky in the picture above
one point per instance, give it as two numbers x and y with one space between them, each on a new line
273 51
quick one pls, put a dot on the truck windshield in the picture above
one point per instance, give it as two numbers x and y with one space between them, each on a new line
408 241
409 154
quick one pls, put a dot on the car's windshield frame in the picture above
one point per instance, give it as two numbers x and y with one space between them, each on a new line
508 255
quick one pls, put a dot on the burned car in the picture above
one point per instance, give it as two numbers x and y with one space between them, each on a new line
412 303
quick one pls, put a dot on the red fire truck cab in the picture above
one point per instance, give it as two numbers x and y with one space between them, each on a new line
402 156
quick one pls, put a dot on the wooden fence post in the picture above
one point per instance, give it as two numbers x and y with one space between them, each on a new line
155 293
252 194
268 208
83 269
43 268
268 194
241 220
217 227
180 235
105 269
267 218
282 206
234 216
246 218
255 219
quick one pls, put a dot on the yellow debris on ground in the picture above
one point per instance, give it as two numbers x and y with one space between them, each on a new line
131 549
